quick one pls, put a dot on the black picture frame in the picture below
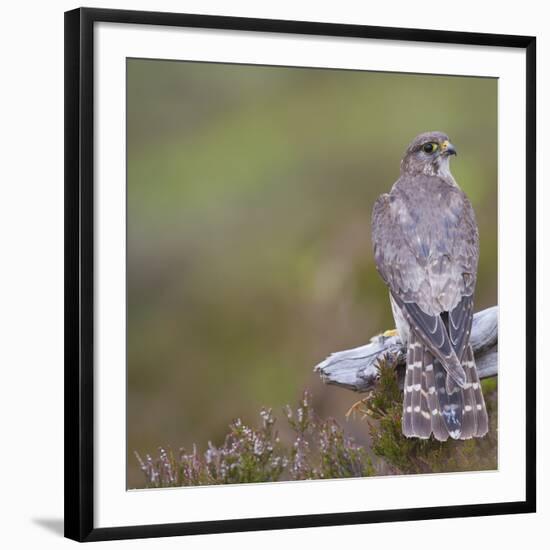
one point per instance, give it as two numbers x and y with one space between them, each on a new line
79 272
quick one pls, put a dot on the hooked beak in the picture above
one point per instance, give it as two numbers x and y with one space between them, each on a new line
447 148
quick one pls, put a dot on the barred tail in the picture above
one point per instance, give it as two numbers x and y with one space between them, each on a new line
406 420
416 412
439 428
476 420
451 401
434 403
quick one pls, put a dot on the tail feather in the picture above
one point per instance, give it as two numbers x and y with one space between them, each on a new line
434 403
450 399
469 426
438 426
406 422
480 410
469 412
418 409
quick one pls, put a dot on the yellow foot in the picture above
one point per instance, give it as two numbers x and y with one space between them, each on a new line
388 333
356 407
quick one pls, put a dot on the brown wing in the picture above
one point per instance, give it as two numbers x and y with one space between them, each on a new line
465 252
426 248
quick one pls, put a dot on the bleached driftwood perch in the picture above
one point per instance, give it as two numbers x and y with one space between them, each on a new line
355 369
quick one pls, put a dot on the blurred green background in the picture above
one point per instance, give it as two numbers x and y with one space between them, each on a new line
250 192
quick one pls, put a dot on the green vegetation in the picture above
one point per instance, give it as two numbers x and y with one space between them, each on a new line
320 449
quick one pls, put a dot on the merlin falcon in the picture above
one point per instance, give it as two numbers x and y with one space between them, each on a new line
426 248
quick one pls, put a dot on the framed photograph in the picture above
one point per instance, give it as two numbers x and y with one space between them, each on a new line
300 274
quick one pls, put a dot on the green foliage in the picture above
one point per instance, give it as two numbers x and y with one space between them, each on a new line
383 409
320 450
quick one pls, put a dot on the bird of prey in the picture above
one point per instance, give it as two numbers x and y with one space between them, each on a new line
426 248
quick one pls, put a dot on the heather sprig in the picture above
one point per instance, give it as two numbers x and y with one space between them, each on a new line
319 449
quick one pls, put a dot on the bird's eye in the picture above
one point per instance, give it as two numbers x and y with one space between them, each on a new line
429 147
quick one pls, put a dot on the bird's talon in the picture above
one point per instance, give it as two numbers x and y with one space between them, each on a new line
390 333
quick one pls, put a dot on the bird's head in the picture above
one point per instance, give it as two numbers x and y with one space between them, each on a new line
428 154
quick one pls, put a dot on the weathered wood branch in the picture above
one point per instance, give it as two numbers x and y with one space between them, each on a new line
356 369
